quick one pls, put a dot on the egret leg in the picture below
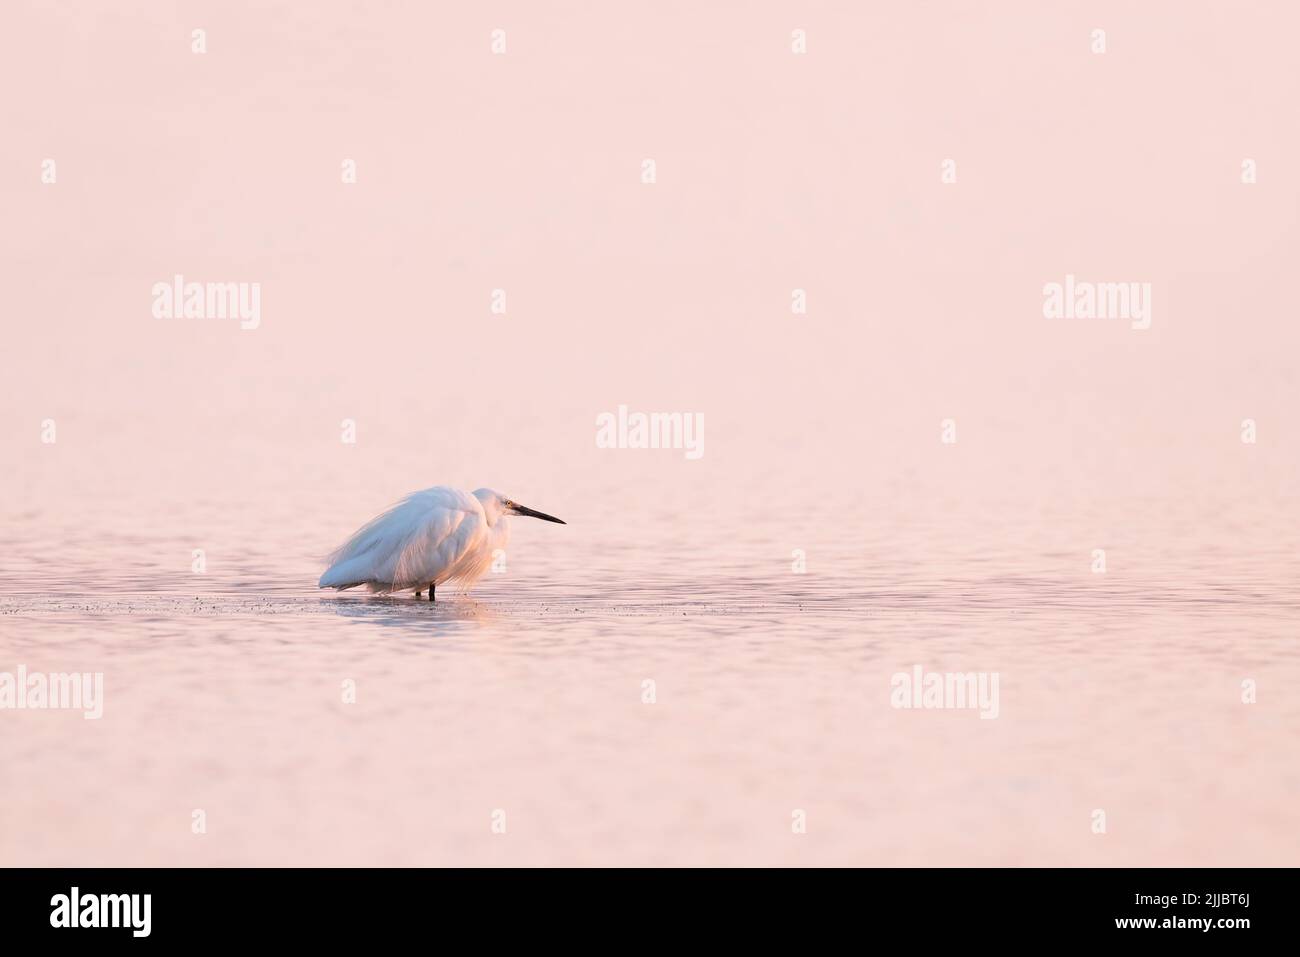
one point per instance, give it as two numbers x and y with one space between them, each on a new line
431 591
417 593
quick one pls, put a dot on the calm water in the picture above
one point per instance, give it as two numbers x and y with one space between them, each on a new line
223 690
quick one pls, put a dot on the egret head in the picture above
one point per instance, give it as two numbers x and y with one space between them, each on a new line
495 505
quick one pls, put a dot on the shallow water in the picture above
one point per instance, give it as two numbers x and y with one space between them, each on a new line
224 693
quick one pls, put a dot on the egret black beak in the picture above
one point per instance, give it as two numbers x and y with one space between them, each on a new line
522 510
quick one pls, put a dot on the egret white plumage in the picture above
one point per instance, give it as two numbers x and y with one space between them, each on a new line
429 538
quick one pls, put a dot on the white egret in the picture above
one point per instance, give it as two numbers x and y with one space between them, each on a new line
429 538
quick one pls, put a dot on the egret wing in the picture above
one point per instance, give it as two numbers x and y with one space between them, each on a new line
440 545
413 543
